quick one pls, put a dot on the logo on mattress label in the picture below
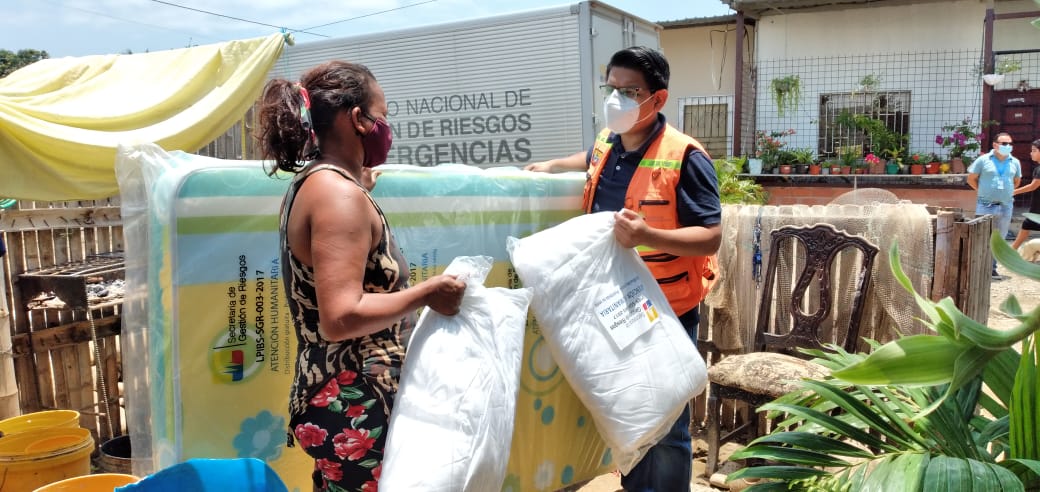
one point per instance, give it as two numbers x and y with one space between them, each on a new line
232 363
650 311
626 313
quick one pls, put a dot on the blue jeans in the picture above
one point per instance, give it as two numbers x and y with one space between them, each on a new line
668 466
1001 213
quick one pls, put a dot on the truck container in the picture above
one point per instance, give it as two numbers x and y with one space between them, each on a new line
496 91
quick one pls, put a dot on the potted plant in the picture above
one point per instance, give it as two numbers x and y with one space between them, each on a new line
933 165
834 166
847 157
869 83
802 157
768 146
1001 69
815 168
874 164
787 92
962 140
785 159
917 162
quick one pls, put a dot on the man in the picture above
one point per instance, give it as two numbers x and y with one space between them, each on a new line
995 175
661 184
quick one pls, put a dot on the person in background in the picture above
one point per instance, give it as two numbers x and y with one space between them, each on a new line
1034 207
346 278
661 184
995 175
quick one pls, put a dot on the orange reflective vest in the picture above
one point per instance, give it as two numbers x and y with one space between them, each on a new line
685 280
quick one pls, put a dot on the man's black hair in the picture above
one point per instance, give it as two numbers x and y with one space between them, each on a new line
648 61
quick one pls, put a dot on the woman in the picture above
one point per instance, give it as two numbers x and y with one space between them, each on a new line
347 280
1034 207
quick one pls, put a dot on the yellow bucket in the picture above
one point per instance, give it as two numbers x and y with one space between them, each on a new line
32 459
49 419
101 482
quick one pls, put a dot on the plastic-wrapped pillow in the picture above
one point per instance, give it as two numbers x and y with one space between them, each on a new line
610 329
452 422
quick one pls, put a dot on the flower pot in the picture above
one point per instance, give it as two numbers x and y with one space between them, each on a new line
944 168
892 167
754 166
916 168
846 169
801 168
877 167
932 168
785 169
835 170
957 165
859 170
815 169
993 78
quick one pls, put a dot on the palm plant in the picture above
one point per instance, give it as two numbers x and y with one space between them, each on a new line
914 414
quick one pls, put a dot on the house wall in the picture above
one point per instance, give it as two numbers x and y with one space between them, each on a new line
953 25
929 49
701 59
1015 34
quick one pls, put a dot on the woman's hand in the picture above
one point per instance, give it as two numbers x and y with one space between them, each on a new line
445 294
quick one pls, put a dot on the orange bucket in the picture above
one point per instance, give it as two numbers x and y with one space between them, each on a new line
32 459
101 482
49 419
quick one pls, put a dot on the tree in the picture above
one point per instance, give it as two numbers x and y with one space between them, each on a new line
11 61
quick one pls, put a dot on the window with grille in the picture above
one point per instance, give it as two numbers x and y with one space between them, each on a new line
708 119
892 108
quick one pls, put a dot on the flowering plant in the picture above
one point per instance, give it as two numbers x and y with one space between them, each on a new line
962 138
872 159
769 145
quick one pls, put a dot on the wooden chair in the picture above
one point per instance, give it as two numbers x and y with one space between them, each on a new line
767 373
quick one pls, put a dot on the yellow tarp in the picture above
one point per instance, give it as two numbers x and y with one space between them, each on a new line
61 119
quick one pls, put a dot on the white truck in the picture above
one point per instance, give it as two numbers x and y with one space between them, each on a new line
496 91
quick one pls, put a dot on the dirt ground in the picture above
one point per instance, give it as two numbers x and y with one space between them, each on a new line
1027 291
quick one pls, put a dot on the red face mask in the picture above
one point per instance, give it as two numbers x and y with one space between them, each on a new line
376 143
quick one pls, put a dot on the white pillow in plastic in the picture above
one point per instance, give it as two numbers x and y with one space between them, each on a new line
452 422
611 330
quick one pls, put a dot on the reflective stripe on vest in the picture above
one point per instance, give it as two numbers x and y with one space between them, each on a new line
685 280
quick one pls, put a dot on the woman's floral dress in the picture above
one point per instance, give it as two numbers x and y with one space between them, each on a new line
343 392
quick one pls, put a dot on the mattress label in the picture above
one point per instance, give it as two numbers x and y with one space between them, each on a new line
627 313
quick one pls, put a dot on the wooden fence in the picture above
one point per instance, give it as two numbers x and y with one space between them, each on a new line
64 358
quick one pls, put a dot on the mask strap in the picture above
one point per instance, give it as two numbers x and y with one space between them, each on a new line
311 150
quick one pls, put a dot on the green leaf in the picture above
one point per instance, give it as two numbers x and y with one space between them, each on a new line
775 472
354 422
834 424
914 360
982 335
816 442
1012 308
1010 258
861 411
336 406
789 455
376 432
1028 471
897 270
946 474
368 404
369 463
999 377
350 393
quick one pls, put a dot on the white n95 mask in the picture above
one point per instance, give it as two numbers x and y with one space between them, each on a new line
621 113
